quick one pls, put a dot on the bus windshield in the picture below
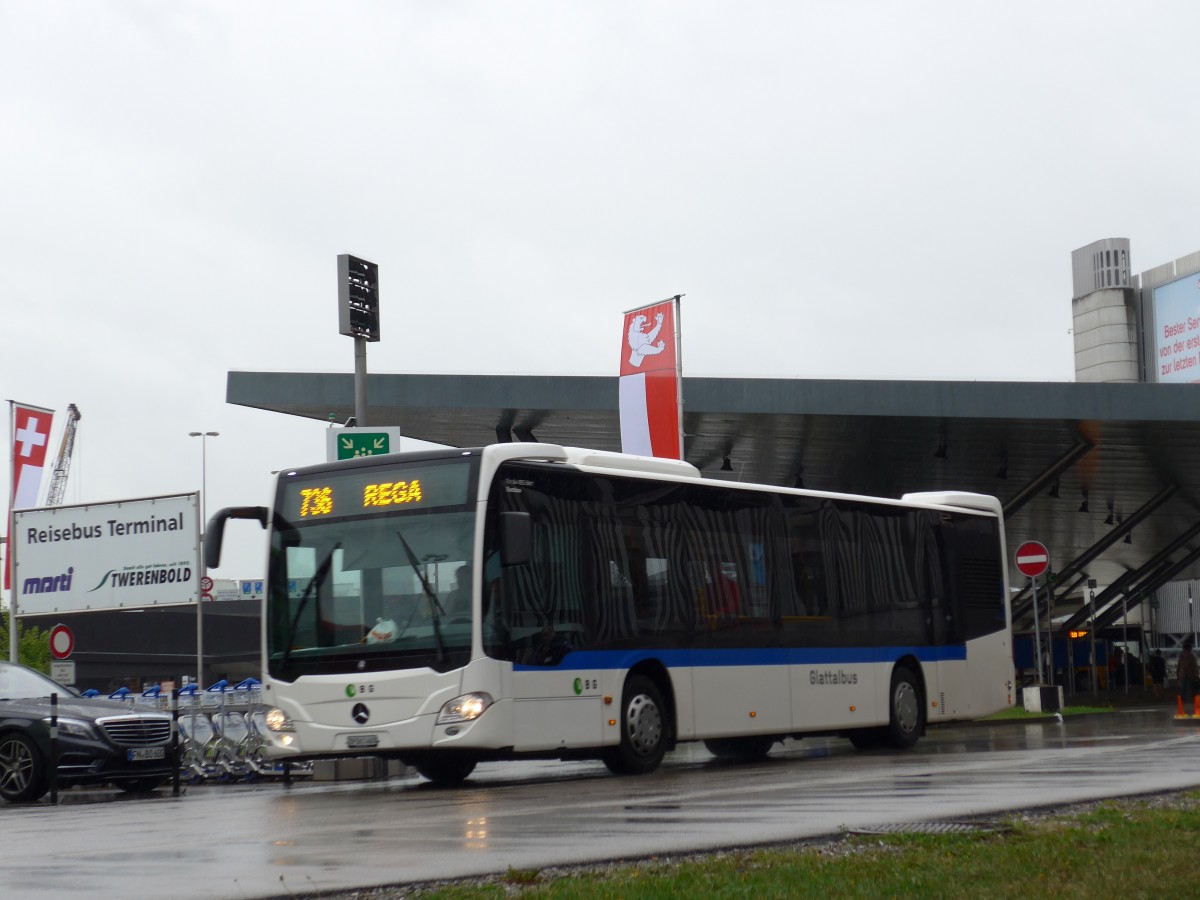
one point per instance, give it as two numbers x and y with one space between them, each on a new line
371 570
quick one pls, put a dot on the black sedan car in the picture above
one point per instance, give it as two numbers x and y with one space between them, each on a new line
99 741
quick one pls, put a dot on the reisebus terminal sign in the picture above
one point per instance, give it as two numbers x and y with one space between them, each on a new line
125 554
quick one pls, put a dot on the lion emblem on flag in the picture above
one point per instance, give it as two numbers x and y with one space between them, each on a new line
642 342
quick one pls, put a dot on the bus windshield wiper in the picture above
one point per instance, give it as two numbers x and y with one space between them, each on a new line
318 577
435 608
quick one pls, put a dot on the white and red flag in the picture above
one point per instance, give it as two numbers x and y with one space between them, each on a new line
31 441
29 427
651 396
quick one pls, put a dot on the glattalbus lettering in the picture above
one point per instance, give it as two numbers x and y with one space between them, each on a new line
51 584
829 676
145 526
150 576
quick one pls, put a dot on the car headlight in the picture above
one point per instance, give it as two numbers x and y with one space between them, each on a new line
278 720
75 728
466 708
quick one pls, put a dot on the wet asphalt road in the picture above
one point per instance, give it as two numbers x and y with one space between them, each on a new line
250 841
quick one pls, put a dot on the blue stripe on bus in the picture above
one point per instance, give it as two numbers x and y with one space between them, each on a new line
758 656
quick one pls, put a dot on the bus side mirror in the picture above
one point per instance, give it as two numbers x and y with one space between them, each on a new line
516 538
215 532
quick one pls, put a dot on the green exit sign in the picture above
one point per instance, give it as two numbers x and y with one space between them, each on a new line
351 443
351 446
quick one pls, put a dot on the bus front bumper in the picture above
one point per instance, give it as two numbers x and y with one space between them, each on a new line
490 730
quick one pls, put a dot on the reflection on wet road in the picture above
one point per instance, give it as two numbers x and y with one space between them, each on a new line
265 840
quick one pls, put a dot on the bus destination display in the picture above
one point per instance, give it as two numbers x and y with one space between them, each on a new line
337 494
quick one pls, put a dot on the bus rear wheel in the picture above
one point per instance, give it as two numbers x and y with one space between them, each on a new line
906 720
643 726
743 749
446 770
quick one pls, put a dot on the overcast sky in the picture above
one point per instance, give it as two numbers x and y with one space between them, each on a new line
863 190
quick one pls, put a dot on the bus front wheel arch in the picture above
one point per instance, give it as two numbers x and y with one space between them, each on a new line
644 725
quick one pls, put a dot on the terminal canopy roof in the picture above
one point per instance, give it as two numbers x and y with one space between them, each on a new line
1107 476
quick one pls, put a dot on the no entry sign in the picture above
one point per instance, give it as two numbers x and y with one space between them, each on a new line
62 642
1032 559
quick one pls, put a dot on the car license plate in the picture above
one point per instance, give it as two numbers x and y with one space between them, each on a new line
139 753
359 741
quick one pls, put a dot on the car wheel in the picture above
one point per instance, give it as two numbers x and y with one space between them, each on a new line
22 770
643 726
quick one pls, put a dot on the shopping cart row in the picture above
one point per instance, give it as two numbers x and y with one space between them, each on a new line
222 731
220 695
228 745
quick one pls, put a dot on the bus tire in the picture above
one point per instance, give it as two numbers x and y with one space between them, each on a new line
447 770
906 717
743 749
643 729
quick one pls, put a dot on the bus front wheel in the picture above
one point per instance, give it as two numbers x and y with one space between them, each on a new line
906 718
643 729
446 770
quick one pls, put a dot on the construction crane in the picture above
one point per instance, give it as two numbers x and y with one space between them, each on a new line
62 463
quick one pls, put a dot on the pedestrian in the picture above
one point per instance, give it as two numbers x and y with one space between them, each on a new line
1158 672
1187 674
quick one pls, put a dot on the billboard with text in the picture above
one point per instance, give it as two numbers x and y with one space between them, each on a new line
1177 331
124 554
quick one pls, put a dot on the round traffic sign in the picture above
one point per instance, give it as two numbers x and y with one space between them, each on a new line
206 584
62 642
1032 559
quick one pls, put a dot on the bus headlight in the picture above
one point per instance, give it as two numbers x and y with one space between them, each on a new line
277 720
466 708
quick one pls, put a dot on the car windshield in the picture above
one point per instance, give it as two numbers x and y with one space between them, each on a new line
19 683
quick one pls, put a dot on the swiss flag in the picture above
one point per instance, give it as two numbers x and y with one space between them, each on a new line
31 440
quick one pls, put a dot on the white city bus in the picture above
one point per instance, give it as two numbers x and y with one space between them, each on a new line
531 600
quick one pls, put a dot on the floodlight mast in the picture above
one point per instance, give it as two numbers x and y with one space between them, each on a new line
358 317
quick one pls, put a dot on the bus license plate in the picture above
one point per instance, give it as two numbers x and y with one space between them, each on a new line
139 753
358 741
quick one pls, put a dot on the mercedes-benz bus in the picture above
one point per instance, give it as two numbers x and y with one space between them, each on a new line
532 600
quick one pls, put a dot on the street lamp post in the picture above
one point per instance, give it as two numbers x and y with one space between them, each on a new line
204 436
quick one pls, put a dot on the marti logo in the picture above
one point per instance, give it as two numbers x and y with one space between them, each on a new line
51 584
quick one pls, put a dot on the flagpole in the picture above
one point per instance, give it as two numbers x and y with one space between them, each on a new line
13 643
679 372
42 441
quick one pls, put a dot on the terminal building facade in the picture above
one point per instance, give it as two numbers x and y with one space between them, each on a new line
1101 470
1142 328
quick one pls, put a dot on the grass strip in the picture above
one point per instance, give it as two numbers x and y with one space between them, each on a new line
1125 848
1018 712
